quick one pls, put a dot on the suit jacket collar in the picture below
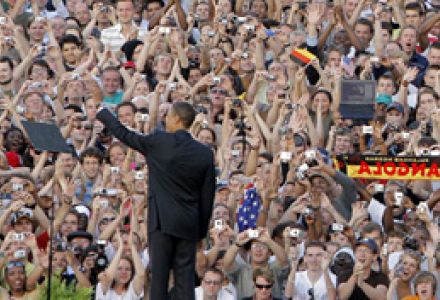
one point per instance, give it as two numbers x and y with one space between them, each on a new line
182 132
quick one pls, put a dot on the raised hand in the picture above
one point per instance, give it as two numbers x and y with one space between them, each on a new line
315 12
410 74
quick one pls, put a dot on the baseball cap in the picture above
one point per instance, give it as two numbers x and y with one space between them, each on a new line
91 249
370 243
319 174
129 64
22 213
221 186
79 234
395 105
83 210
384 99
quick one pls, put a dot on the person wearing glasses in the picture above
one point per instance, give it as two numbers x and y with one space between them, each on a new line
316 282
211 287
263 282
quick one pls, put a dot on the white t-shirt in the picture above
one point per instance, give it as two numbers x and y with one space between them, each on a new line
376 211
222 294
303 285
130 294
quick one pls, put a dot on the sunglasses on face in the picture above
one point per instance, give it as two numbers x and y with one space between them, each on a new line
219 91
213 282
107 220
263 286
86 127
13 264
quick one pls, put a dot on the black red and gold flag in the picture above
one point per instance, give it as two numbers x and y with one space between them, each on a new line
388 167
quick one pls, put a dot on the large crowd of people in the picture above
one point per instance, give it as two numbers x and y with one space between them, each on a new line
287 221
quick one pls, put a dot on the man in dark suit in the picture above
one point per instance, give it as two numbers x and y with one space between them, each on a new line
180 196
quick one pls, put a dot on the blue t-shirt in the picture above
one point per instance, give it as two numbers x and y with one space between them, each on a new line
115 99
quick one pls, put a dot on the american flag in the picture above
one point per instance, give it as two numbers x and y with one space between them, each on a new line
248 212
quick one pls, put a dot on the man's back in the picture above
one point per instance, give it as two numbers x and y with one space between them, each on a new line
180 168
181 178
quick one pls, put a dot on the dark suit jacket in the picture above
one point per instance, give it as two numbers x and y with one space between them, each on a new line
181 178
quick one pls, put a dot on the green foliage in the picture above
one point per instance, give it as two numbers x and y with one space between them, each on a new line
59 290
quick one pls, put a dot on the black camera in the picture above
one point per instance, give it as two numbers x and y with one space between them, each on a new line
201 109
101 262
236 102
410 243
426 129
311 158
76 250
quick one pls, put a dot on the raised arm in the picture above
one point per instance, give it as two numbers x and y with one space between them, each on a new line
349 29
139 271
155 20
109 274
276 249
357 12
181 16
132 139
378 38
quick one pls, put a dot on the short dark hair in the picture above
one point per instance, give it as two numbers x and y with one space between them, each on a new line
280 227
265 273
396 234
73 107
215 271
426 141
133 107
364 21
91 152
322 91
42 63
387 76
8 60
314 244
414 6
148 2
69 39
371 227
433 67
435 45
185 111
